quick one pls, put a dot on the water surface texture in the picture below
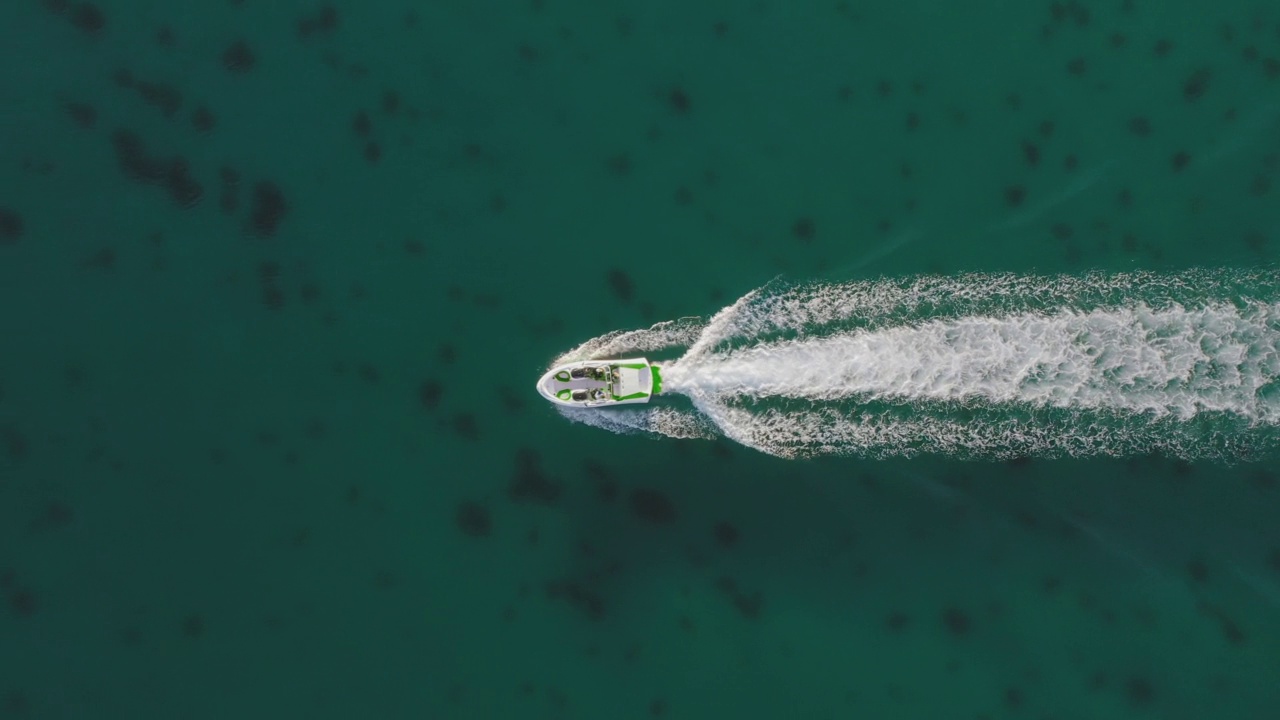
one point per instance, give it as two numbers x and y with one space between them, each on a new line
972 319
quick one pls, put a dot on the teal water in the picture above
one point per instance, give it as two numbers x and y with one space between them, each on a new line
276 280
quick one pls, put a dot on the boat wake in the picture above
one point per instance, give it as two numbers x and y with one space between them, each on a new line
980 366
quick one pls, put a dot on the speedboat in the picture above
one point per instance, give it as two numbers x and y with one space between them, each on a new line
600 383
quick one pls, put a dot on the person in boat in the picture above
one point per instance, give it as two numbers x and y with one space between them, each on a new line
590 373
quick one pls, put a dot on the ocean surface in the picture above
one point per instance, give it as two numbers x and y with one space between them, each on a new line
277 280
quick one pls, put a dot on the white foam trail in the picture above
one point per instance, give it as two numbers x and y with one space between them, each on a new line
1136 359
985 365
667 421
662 336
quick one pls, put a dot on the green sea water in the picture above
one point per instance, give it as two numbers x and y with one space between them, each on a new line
277 279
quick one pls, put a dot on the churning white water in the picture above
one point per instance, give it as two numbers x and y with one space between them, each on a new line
980 365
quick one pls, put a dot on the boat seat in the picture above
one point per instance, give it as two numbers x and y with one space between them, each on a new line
581 395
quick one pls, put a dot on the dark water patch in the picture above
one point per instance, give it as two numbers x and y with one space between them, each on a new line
530 484
1197 84
203 120
512 401
1259 185
430 392
162 96
164 37
316 429
956 621
310 292
229 200
11 226
361 124
83 16
103 259
183 189
1230 629
473 519
1014 195
368 372
652 506
271 293
1198 571
466 426
602 478
585 600
172 174
1070 12
14 444
621 285
897 621
1099 680
804 229
619 164
1013 698
1271 68
391 102
238 58
1139 690
748 603
323 21
193 626
88 18
23 602
679 102
268 208
726 534
1031 153
82 114
15 704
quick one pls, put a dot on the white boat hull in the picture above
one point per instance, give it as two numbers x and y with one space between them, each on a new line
601 383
